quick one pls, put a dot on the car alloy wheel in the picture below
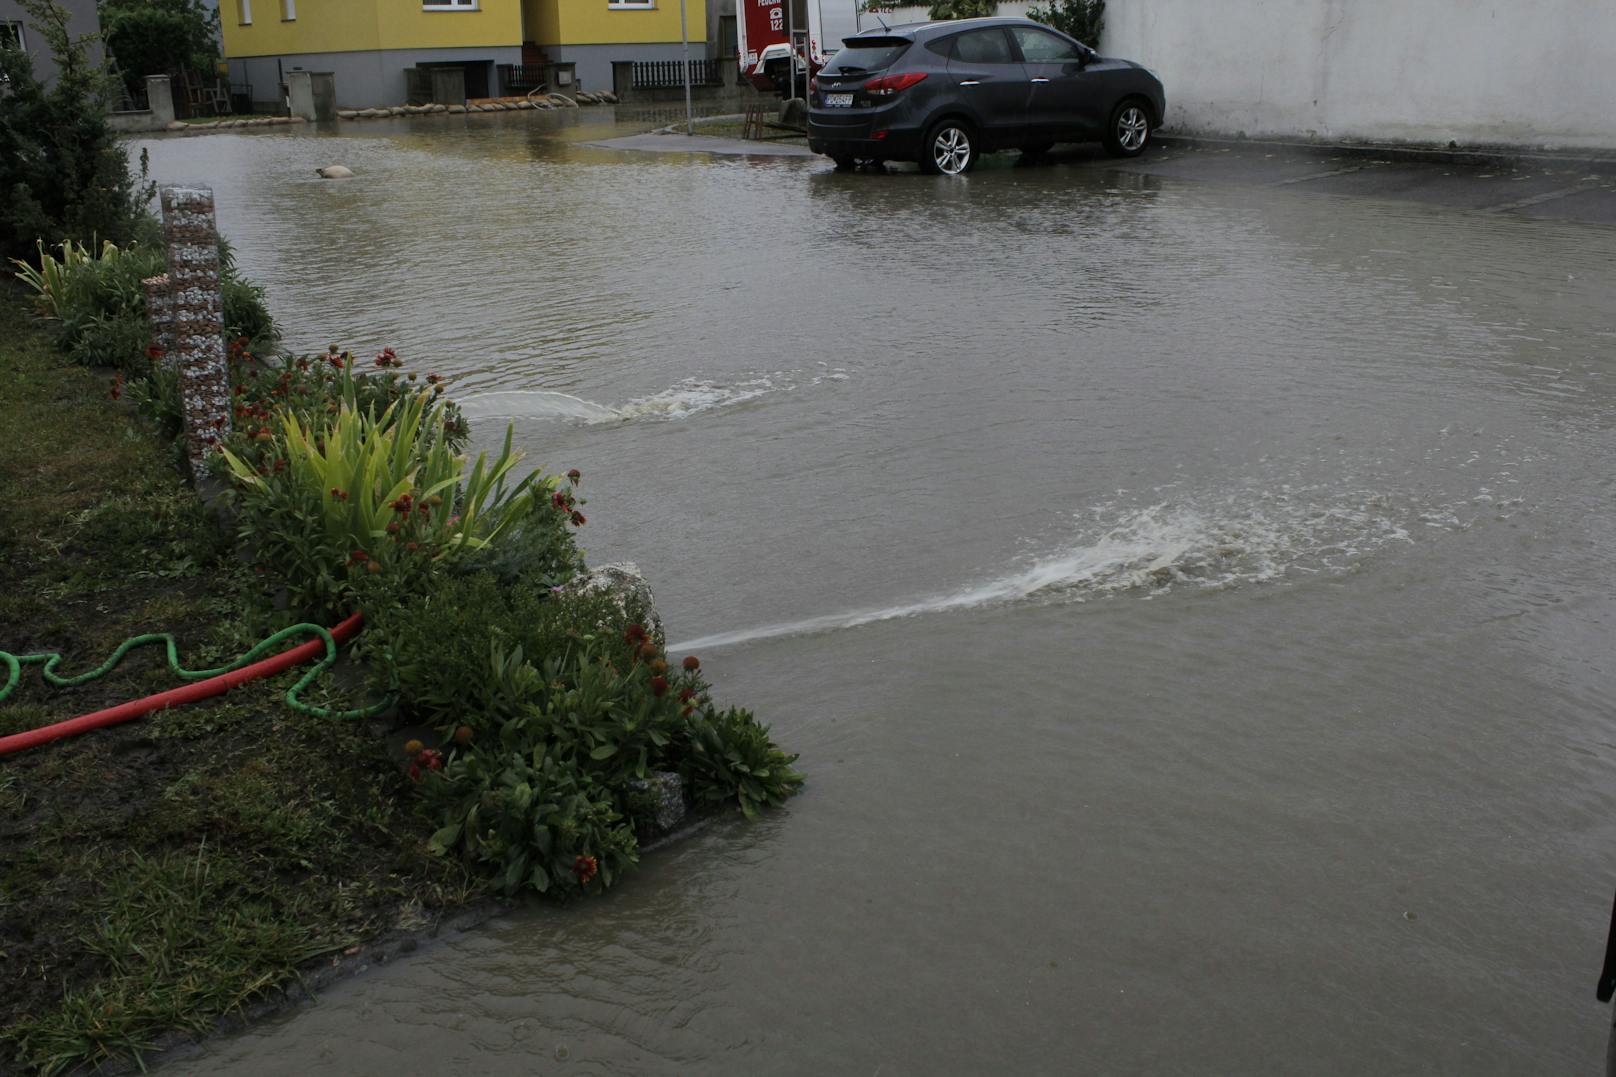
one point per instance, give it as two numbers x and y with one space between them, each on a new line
1133 127
951 149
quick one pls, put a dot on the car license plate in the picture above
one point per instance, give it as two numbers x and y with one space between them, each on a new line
838 100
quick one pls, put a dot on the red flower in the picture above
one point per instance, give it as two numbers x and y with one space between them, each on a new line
392 527
584 868
634 634
336 360
359 555
117 387
559 500
659 685
692 663
579 519
154 352
686 695
415 772
574 475
433 379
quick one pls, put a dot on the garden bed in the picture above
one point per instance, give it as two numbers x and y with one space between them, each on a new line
508 722
161 873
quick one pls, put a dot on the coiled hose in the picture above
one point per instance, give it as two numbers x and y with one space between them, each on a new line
210 682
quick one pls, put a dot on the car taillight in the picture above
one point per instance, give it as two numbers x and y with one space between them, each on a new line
887 85
813 83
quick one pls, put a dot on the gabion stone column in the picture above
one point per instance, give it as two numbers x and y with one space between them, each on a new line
160 313
197 310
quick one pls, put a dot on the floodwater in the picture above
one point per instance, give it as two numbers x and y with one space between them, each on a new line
1192 603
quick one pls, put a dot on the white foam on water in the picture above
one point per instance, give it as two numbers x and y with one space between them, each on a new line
534 404
1248 537
686 398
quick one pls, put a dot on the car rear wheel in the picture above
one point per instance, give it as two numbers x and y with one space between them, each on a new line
844 162
949 150
1129 129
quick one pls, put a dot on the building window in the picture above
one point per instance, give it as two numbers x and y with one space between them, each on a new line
244 12
631 5
288 10
11 36
449 5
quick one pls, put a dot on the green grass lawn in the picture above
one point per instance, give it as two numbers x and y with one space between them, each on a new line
160 874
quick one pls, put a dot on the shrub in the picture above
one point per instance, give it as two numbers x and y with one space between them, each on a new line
157 37
516 677
99 303
961 9
1082 19
461 647
338 500
728 756
529 821
63 171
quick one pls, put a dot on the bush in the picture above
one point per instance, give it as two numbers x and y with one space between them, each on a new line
552 693
63 171
159 37
100 305
1082 19
962 9
359 507
453 646
528 821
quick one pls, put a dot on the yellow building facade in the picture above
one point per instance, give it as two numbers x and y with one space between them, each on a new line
369 44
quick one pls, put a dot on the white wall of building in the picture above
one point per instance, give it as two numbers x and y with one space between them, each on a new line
1537 74
1525 73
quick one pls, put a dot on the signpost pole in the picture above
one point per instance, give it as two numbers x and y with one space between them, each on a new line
684 35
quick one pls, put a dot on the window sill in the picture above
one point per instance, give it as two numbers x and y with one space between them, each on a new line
630 7
448 7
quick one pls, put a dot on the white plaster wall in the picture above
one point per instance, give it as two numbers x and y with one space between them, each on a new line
1526 73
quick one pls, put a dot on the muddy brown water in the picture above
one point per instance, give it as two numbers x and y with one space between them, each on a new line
1192 603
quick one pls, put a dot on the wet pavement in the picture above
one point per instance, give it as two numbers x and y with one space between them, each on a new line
1548 188
1185 580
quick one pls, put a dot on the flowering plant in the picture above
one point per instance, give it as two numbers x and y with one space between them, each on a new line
362 494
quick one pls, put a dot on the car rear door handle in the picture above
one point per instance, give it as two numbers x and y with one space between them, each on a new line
1035 81
971 82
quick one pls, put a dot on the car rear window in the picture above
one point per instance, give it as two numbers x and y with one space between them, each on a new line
860 54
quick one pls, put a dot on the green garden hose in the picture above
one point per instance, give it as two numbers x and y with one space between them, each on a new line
249 666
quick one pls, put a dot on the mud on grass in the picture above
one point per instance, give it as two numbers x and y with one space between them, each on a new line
164 873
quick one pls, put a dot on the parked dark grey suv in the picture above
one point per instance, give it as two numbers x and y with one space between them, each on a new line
941 93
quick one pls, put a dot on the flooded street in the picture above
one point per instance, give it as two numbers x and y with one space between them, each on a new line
1191 601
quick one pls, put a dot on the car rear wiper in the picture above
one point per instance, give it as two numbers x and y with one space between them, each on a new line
851 71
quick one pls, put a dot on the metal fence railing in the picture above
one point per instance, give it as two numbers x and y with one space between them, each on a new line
665 74
516 79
